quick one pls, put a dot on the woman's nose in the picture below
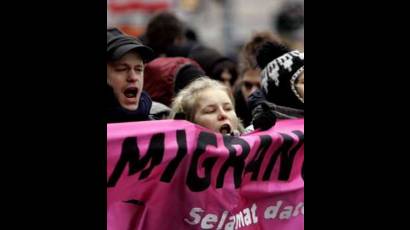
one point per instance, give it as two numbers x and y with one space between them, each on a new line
222 114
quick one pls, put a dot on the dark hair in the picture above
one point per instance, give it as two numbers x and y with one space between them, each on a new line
162 30
221 66
191 35
213 62
247 56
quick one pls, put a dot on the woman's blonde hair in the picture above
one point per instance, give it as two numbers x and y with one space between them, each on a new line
186 101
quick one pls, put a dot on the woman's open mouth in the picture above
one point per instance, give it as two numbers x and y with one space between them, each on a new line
225 129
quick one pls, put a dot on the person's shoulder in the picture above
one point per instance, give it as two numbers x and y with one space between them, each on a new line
159 111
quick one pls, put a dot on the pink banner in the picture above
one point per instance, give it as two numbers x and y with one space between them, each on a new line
177 175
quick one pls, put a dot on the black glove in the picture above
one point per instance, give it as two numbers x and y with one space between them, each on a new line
263 116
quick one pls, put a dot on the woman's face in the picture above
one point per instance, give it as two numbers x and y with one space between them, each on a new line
215 111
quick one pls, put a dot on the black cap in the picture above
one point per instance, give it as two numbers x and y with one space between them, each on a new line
119 44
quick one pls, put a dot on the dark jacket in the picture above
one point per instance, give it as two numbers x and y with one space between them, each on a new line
116 113
241 107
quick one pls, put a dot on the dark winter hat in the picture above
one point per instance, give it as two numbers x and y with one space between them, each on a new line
270 51
279 78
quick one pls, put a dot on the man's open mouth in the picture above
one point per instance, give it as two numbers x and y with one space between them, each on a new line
131 92
225 129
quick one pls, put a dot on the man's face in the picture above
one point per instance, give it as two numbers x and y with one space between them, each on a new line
126 77
250 82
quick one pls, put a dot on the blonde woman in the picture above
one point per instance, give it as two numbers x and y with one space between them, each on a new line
208 103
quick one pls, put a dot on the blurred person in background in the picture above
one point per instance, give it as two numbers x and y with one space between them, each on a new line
290 22
170 37
249 72
215 65
166 35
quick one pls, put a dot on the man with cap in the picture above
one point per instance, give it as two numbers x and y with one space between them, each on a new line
126 58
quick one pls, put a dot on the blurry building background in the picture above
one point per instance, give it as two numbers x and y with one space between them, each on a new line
222 24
